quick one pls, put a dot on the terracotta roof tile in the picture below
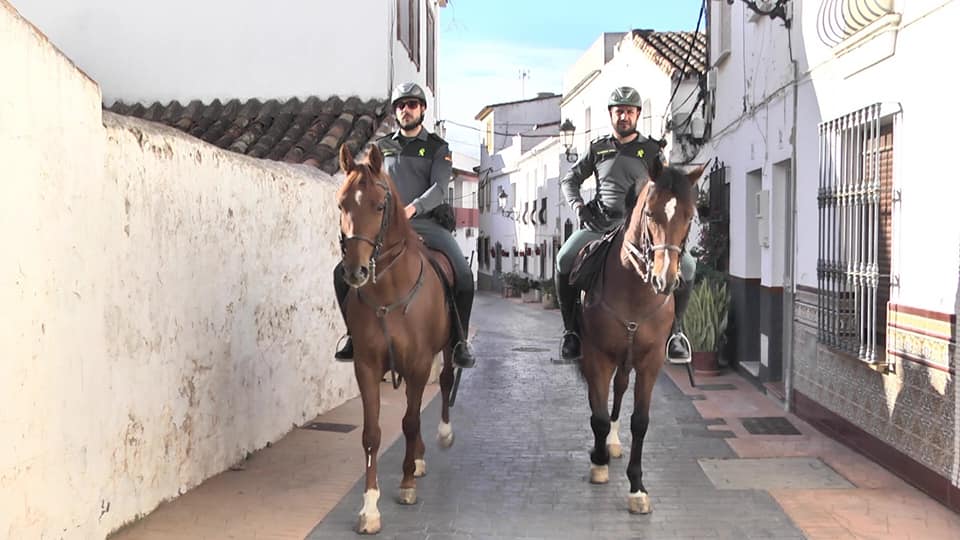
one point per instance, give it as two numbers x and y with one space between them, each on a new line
669 50
309 131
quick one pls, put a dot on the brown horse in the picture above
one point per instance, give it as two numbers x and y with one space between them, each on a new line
397 314
627 317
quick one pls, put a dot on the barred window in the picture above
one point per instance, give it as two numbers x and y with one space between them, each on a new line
855 200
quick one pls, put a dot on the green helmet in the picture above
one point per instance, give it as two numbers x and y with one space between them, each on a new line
624 96
408 90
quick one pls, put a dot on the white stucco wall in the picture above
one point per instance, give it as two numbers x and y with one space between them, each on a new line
926 240
757 143
185 50
168 305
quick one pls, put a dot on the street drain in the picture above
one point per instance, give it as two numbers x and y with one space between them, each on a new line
529 349
327 426
769 425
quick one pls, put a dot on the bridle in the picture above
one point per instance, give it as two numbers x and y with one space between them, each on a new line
376 242
641 256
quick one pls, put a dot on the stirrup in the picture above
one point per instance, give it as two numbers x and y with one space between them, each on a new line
339 346
463 345
679 361
560 348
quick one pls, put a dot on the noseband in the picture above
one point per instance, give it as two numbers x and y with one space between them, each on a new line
377 242
642 255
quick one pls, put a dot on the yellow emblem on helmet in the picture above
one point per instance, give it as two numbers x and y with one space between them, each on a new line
423 152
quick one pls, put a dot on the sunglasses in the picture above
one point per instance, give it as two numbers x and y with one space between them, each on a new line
409 104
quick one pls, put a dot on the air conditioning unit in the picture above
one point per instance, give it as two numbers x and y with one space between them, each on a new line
711 79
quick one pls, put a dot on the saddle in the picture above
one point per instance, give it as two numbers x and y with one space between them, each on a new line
589 262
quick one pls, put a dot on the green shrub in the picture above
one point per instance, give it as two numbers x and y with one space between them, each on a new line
705 320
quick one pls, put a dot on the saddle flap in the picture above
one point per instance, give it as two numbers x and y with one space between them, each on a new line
589 262
443 266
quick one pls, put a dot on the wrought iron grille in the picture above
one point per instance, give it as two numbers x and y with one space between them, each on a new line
853 247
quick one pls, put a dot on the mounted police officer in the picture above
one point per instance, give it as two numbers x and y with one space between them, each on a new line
420 165
617 161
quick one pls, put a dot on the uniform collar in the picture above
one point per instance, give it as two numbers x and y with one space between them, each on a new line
420 136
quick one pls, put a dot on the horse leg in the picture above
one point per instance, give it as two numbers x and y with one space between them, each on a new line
411 431
445 430
598 373
639 501
369 382
621 380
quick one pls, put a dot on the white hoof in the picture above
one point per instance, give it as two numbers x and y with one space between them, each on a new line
613 440
407 496
369 524
445 435
639 503
599 474
421 468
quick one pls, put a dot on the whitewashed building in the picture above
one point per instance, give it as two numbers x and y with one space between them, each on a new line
828 134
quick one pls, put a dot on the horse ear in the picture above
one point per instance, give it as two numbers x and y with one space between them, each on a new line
375 159
347 164
695 174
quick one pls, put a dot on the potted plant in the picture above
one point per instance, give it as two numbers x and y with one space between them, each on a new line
705 323
514 284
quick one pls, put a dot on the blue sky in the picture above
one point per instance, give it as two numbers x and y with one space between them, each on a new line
485 44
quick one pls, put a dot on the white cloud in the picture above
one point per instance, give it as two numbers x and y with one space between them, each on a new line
474 74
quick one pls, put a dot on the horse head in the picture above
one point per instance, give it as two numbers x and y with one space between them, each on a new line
368 206
659 224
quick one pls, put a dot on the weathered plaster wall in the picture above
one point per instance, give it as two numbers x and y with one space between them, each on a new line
167 305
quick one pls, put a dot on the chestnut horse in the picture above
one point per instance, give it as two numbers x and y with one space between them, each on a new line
398 315
627 317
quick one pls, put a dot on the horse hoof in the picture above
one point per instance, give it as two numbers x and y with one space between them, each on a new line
369 524
615 450
599 474
639 503
407 496
445 435
421 468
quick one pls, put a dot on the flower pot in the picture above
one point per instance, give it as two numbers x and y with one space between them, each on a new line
549 301
706 363
532 296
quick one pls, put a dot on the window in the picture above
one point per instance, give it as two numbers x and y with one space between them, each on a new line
431 52
450 195
855 204
724 21
408 28
647 118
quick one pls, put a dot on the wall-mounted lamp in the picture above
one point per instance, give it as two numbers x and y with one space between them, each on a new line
567 130
502 203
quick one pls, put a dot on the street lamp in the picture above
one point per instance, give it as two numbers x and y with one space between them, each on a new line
502 203
566 137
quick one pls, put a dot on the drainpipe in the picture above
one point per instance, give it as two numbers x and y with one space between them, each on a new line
390 39
791 262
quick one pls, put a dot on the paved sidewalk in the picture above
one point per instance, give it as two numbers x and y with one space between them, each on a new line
519 466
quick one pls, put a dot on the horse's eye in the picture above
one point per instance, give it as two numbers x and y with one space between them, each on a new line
381 207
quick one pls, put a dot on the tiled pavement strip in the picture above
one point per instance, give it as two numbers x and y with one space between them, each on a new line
519 466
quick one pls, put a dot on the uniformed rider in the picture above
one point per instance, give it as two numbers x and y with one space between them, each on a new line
617 161
420 164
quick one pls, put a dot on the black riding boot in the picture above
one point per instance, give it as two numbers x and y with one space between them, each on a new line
568 297
345 354
462 356
678 347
